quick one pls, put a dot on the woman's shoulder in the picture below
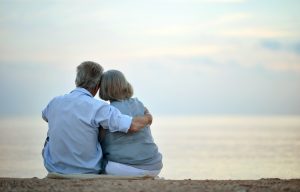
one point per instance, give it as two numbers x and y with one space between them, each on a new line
132 100
136 100
131 106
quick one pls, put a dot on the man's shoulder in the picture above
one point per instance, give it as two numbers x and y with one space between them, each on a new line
84 100
65 98
96 102
56 98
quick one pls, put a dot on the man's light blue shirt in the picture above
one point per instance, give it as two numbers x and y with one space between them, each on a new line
73 127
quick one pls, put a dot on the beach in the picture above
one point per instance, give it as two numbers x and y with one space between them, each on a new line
90 185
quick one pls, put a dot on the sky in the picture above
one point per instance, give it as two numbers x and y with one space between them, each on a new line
183 57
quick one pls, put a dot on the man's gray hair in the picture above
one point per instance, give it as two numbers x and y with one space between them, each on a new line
88 75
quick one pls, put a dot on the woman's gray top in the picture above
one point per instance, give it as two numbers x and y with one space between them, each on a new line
135 149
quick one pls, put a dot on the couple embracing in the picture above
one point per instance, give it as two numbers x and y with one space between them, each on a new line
89 136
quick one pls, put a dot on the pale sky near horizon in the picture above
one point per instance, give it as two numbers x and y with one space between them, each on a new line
182 57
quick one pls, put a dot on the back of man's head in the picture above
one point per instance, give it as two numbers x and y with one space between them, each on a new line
88 75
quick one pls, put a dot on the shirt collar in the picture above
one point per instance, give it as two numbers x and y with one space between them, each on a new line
82 90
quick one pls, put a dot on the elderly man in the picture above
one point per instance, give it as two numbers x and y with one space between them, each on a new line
74 119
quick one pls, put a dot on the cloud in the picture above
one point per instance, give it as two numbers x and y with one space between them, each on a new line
272 57
277 45
207 1
237 25
210 26
296 47
257 32
271 44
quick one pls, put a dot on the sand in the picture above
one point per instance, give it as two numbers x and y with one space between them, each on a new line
90 185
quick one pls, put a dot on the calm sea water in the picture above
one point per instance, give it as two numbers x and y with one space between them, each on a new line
195 147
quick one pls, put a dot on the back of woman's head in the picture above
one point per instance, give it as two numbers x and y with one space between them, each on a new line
114 86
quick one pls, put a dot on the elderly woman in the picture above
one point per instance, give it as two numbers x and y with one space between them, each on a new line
133 154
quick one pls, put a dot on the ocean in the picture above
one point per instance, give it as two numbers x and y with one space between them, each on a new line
193 147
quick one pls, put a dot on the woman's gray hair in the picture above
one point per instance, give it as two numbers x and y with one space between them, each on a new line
114 86
88 75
